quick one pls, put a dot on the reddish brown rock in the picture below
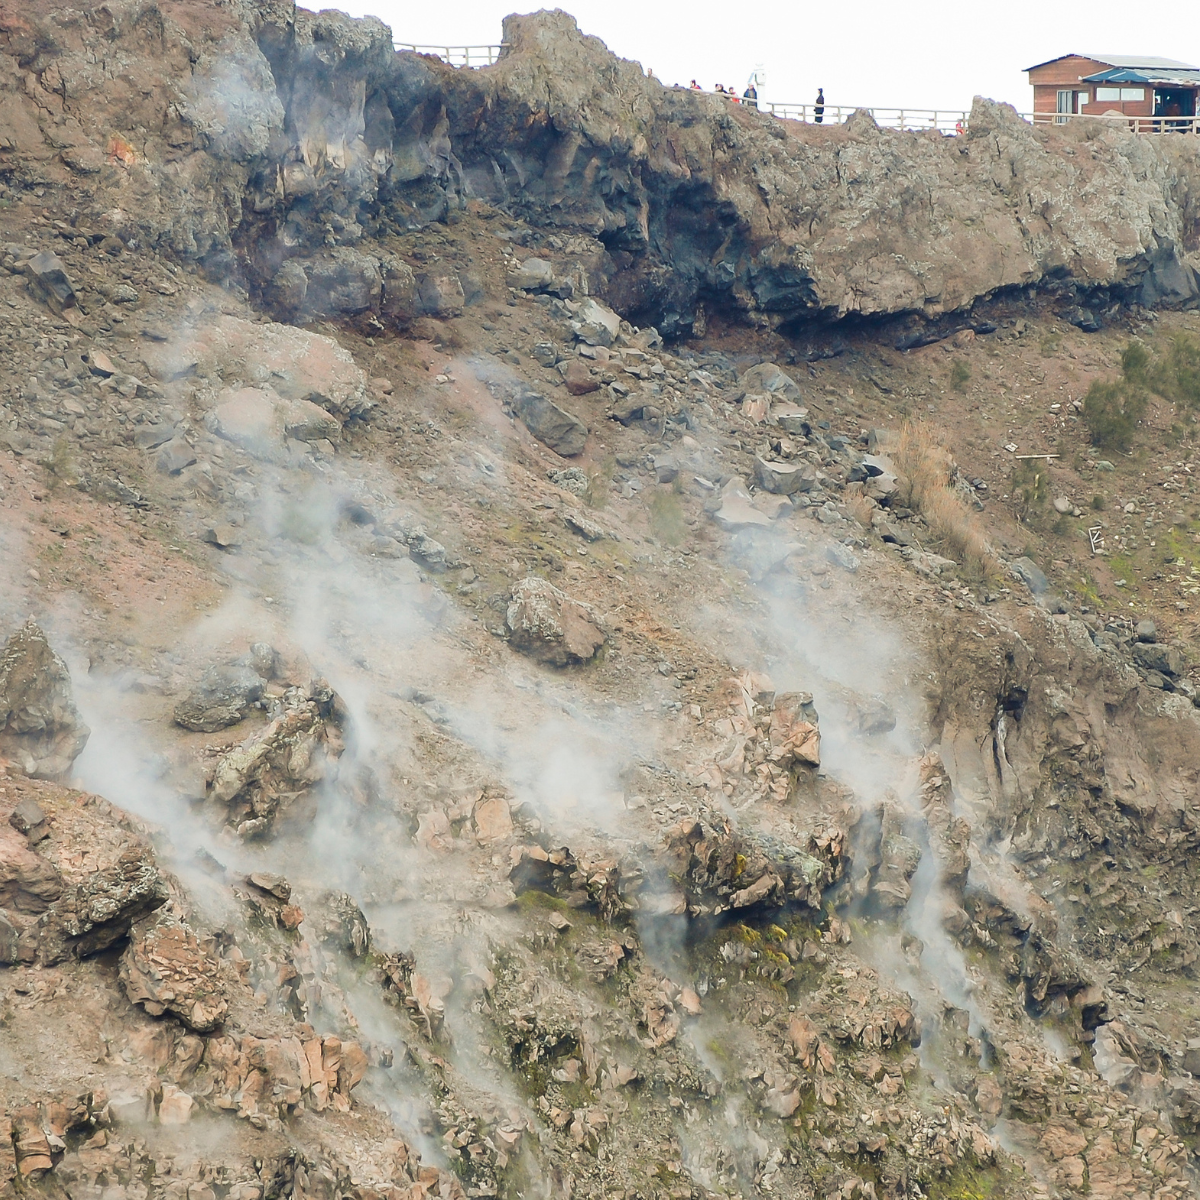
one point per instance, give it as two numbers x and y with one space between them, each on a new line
165 969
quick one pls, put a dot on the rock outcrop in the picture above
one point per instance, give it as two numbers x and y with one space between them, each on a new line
296 134
41 730
550 626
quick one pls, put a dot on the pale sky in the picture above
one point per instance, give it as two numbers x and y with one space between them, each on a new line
922 54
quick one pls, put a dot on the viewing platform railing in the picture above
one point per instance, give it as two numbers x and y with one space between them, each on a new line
456 56
948 121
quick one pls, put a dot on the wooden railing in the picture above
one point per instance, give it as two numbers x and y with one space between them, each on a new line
951 121
947 120
1120 120
456 56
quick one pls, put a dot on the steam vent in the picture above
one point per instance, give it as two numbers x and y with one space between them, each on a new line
562 638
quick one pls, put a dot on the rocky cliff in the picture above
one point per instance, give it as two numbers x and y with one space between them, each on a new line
272 141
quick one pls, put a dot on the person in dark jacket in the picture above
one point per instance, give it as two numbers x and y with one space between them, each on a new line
750 95
819 107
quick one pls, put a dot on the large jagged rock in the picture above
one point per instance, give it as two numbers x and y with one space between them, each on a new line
223 697
41 730
98 911
721 869
548 625
562 431
165 969
287 758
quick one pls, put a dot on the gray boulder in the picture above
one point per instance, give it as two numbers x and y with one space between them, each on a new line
783 479
48 279
532 275
562 431
596 324
770 378
548 625
1031 575
1154 656
41 730
441 294
223 697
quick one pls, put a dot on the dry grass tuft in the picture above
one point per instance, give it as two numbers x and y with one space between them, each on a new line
927 469
857 504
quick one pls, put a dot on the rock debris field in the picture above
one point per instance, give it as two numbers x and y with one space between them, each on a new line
563 640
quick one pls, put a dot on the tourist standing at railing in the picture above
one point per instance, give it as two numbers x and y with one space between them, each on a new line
750 95
695 87
819 107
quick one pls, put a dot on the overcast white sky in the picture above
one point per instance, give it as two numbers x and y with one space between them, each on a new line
915 53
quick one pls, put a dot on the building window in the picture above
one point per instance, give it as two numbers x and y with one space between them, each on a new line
1118 94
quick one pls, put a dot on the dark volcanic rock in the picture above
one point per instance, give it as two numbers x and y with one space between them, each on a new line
223 697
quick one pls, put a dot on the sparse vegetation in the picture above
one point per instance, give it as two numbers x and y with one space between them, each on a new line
960 375
667 517
928 468
1029 487
1112 410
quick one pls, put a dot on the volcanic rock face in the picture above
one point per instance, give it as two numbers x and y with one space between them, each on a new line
40 728
297 132
661 923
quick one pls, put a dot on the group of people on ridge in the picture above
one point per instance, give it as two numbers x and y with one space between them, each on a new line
750 96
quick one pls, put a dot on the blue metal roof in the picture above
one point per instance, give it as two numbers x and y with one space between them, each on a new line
1176 76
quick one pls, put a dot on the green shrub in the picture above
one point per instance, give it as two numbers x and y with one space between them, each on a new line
1135 359
1177 375
960 373
1099 504
1029 486
1111 411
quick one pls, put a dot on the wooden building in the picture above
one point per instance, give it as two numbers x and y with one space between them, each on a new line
1103 83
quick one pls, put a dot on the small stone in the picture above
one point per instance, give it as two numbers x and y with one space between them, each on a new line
578 377
1146 631
783 479
174 456
29 819
545 354
531 276
586 529
559 922
150 437
1062 505
275 885
842 556
100 364
224 537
